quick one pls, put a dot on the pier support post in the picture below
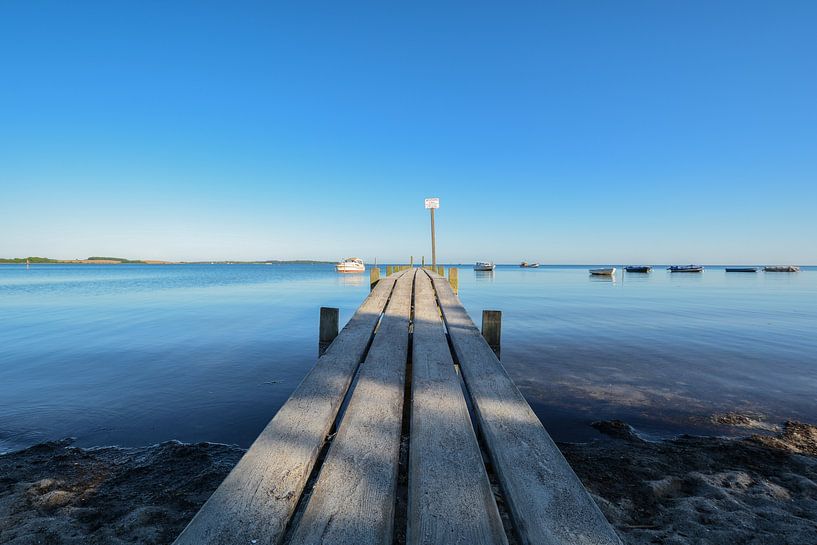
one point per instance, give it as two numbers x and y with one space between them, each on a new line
328 329
374 277
389 270
492 328
454 279
441 270
423 262
411 261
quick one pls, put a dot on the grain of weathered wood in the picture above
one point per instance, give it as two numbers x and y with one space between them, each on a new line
449 499
327 328
492 329
548 503
352 502
257 498
454 279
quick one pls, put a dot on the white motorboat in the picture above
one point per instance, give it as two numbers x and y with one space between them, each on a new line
484 266
351 265
603 272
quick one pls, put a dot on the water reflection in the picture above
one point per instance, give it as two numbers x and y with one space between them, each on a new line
351 279
113 355
665 353
610 279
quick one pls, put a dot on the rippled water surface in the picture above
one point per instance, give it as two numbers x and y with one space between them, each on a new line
136 354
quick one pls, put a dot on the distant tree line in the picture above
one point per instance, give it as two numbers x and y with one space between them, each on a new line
29 259
121 259
49 260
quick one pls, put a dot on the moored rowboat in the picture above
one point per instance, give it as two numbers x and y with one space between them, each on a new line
610 271
787 268
685 268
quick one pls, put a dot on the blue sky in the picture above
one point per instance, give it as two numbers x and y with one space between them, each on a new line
575 131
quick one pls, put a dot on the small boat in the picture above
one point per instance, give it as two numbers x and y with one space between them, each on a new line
526 265
603 272
638 268
351 265
484 266
685 268
742 269
786 268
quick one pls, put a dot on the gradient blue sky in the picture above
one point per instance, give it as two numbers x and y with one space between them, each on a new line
575 131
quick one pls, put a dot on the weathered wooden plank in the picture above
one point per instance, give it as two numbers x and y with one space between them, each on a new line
548 503
449 498
257 498
352 502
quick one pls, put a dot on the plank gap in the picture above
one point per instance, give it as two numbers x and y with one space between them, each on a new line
295 519
401 492
499 495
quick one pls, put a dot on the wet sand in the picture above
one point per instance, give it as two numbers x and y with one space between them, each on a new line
690 490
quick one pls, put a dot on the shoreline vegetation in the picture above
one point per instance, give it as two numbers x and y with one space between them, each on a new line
759 489
97 260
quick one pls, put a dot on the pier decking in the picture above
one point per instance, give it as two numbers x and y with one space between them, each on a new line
378 445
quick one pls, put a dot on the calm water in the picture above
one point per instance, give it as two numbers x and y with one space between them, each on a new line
136 354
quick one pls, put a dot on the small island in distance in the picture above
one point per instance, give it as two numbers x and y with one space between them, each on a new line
98 260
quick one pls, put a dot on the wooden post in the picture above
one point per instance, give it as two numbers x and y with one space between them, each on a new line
423 262
453 279
411 261
374 277
441 270
328 329
492 328
389 270
433 243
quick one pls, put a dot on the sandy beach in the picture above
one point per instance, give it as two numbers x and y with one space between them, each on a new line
761 489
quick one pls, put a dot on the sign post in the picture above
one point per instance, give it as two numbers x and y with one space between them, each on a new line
432 204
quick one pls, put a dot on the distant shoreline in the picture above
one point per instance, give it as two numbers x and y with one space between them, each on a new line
123 261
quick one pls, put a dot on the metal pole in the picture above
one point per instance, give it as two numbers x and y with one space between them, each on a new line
433 243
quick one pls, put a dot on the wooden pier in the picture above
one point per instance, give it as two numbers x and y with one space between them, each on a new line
406 430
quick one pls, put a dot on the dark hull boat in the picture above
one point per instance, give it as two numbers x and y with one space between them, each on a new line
742 269
638 269
685 269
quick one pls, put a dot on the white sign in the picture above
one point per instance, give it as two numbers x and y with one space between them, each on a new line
433 203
